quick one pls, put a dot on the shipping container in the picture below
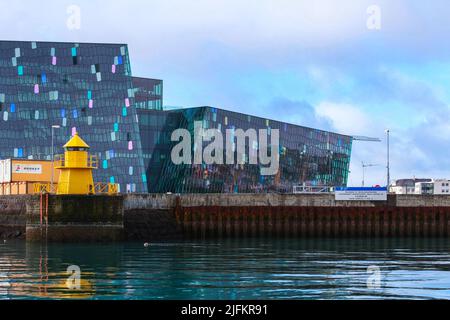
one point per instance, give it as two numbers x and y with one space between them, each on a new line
7 171
18 176
1 170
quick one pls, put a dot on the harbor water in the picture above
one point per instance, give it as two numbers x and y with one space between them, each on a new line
228 269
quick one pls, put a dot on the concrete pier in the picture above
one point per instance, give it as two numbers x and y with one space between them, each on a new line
75 218
13 216
62 218
203 216
159 217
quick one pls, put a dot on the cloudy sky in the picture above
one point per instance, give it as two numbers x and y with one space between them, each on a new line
313 63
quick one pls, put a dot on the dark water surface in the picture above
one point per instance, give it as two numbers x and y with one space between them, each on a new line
235 269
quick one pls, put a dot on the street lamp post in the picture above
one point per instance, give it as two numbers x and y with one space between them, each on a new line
388 160
53 156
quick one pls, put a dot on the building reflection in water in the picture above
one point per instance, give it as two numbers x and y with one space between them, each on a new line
34 274
228 269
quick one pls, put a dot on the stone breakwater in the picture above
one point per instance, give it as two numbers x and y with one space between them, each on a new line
13 216
161 217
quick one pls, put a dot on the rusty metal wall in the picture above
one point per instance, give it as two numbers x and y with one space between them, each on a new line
358 222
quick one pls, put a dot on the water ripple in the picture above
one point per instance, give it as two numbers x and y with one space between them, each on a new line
235 269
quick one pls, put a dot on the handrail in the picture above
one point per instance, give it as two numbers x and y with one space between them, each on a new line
98 188
109 188
301 189
59 160
42 188
92 161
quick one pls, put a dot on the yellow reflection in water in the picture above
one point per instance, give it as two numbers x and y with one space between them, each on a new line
52 286
44 284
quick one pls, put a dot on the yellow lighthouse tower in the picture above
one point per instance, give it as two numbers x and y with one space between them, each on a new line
76 168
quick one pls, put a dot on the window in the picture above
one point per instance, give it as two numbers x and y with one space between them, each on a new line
76 149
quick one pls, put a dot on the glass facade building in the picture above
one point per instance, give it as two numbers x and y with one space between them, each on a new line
81 87
89 89
307 156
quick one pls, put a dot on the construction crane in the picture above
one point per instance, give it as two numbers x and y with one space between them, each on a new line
364 166
361 138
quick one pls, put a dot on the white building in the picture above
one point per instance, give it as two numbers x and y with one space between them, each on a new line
421 186
441 186
436 186
424 187
406 186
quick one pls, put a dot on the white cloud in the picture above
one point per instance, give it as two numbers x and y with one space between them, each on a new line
180 27
201 48
345 118
352 120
